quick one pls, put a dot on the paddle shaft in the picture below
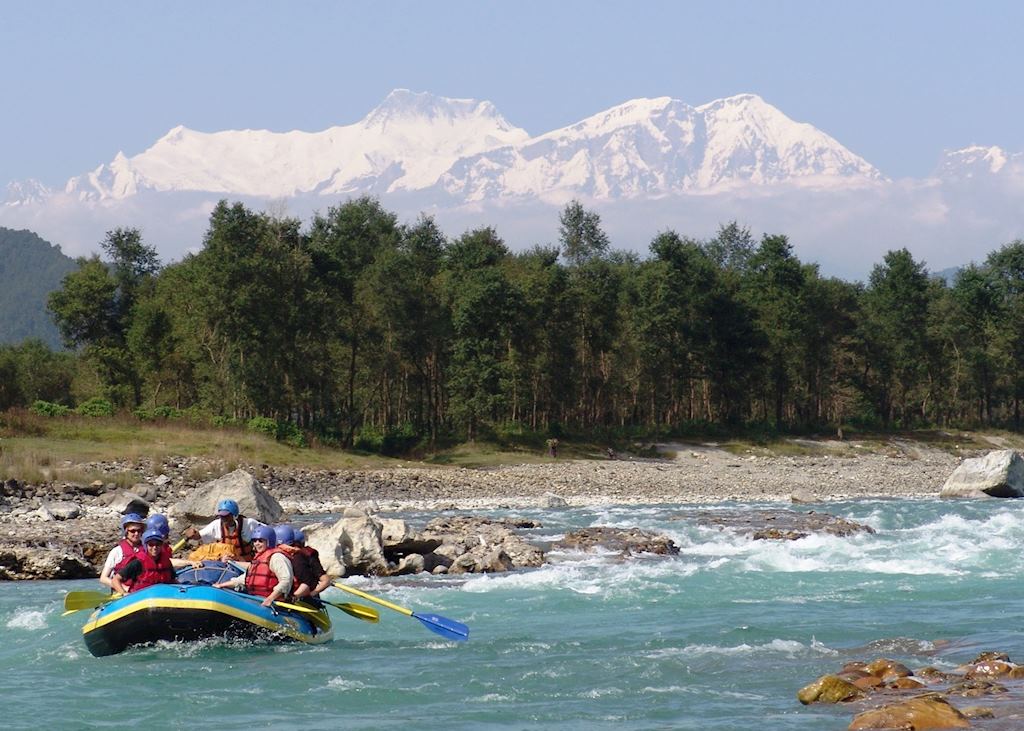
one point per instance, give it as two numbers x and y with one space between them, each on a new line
375 600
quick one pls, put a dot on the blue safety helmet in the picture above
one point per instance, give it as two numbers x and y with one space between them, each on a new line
285 534
227 507
266 533
300 537
158 522
132 518
151 534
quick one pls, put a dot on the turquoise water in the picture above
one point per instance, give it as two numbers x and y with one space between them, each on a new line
718 638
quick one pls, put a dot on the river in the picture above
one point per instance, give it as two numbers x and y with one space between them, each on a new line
719 638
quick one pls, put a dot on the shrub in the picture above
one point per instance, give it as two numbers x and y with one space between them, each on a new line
95 406
369 439
263 425
399 440
290 433
47 408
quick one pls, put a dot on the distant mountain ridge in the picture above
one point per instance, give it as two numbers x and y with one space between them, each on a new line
464 150
30 268
646 165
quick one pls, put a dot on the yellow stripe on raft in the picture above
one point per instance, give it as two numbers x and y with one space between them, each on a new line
288 626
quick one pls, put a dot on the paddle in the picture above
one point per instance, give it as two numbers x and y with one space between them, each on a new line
367 614
435 623
75 601
179 545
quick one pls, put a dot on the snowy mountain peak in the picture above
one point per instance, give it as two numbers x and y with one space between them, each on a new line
404 107
465 150
973 161
25 192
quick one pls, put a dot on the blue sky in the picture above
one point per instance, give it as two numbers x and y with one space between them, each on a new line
896 82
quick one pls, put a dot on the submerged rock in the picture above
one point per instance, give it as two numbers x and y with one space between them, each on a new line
626 541
787 525
829 689
916 714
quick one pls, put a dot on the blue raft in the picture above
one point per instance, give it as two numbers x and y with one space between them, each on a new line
192 610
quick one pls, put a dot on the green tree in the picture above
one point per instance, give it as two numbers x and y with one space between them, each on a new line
775 288
481 303
894 332
581 235
343 246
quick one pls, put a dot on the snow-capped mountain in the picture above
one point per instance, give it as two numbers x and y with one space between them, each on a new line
405 143
26 192
978 162
657 146
464 150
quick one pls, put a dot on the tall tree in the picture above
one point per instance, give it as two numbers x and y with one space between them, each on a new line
894 331
93 309
581 235
482 306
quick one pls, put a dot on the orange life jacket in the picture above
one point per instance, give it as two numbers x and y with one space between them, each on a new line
242 548
259 579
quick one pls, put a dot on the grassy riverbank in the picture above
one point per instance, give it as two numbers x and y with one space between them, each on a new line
37 448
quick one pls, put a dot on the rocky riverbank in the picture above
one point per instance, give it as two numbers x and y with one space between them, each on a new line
63 530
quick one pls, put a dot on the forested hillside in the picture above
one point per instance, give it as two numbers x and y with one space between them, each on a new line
30 268
359 330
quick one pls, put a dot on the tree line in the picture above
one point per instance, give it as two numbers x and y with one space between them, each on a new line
357 324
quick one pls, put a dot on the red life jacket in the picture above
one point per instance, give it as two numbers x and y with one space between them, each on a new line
128 552
243 549
259 579
154 570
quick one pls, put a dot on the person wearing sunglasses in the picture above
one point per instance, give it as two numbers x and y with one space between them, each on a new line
153 566
269 575
130 546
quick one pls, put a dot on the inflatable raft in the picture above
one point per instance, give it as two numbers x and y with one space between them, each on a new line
193 609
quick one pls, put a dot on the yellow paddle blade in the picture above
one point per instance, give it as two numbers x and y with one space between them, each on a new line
367 614
77 600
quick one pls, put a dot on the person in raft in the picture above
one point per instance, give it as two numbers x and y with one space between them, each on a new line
230 527
130 545
301 568
321 578
269 574
153 566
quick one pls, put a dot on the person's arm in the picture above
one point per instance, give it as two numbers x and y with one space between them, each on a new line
129 572
281 566
323 583
233 583
113 559
210 533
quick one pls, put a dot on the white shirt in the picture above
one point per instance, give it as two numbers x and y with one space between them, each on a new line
211 533
115 557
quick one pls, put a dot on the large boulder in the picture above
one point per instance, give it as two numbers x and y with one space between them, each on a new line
253 500
352 545
999 473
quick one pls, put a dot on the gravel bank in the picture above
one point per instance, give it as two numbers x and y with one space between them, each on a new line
694 474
